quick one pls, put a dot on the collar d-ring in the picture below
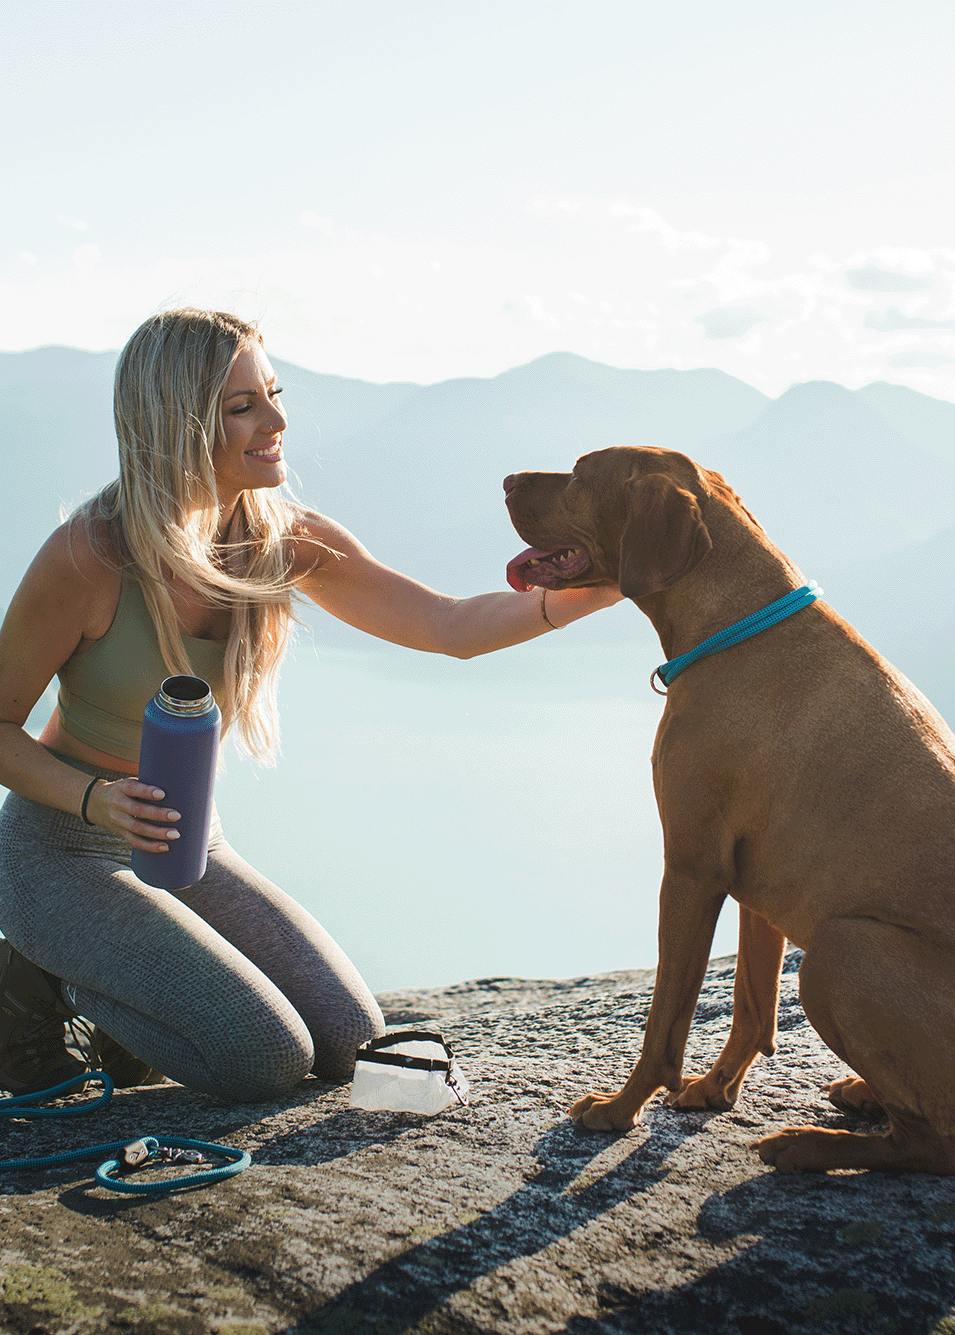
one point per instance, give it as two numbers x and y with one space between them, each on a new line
653 676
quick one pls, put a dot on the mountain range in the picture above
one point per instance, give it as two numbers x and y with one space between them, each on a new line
857 487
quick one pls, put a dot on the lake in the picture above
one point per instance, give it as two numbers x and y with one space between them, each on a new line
450 820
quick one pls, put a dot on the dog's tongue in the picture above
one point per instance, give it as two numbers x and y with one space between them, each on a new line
514 575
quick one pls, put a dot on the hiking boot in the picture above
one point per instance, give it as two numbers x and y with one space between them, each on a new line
33 1051
125 1070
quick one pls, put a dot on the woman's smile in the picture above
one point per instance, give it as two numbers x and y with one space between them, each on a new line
268 451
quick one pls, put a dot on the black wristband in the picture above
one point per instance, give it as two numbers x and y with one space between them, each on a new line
86 798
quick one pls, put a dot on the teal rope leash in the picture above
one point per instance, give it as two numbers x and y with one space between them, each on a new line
151 1148
137 1154
20 1106
133 1155
739 631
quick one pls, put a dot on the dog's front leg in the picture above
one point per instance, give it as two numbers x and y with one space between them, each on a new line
687 923
755 1001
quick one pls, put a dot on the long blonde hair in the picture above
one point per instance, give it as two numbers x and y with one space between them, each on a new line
161 514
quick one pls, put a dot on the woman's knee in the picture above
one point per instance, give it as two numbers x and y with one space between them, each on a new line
341 1035
261 1065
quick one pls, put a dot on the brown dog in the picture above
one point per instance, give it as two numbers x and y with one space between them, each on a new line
796 771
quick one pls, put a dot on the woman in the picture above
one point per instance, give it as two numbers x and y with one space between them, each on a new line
187 563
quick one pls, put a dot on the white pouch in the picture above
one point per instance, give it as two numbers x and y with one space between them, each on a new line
408 1070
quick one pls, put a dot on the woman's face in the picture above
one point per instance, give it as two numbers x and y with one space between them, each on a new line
250 454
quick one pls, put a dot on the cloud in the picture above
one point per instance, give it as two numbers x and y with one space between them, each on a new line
873 278
607 279
529 309
622 216
729 321
930 359
892 319
328 228
670 238
75 224
86 258
310 219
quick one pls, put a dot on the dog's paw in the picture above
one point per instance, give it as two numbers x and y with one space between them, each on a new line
811 1149
795 1149
702 1093
604 1112
853 1096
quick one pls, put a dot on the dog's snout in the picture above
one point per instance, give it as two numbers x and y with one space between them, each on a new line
510 482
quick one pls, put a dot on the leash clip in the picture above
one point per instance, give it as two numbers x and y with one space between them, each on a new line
654 674
168 1154
138 1153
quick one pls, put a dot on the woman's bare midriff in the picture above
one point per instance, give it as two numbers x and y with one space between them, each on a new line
55 736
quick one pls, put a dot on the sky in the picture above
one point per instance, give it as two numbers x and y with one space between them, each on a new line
414 190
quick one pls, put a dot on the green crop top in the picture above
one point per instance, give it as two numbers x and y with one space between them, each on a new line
104 689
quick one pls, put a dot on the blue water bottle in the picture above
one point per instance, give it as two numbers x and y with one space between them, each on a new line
178 754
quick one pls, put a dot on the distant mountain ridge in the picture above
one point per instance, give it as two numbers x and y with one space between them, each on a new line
857 487
820 451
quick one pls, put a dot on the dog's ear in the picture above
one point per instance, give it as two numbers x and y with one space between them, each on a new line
663 538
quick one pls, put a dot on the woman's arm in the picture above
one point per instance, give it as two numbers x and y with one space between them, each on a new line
64 600
338 574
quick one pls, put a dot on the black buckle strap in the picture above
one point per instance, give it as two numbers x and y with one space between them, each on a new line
370 1051
409 1063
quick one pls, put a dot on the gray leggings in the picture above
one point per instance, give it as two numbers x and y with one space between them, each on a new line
229 987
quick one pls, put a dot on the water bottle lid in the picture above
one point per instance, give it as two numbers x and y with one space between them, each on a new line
185 695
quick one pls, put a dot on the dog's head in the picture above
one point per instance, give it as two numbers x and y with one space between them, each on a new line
626 515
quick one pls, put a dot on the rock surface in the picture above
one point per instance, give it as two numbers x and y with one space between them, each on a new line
498 1217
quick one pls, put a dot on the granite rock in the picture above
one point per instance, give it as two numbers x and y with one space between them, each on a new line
497 1217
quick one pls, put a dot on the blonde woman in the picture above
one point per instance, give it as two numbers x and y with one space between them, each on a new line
187 563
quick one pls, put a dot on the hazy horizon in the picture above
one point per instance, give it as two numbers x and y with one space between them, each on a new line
517 366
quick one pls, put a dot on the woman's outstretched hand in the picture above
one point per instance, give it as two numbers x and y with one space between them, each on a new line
131 809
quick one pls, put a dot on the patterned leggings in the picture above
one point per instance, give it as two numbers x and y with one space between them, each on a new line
229 987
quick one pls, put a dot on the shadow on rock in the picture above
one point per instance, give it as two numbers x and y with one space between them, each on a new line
335 1136
848 1254
559 1198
